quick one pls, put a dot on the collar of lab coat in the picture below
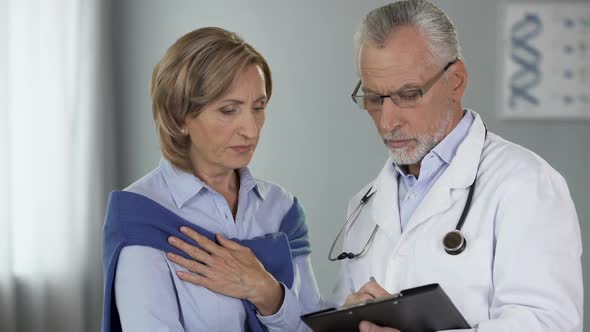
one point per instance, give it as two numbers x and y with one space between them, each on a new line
459 175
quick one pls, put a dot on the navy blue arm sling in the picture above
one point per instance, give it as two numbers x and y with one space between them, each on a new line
133 219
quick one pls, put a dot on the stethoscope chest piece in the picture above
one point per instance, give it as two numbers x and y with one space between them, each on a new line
454 242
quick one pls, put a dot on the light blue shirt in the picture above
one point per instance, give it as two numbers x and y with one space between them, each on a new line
412 190
151 297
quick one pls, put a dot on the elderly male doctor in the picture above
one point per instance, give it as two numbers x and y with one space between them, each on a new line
515 263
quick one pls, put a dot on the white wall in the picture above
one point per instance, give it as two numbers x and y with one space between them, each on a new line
315 143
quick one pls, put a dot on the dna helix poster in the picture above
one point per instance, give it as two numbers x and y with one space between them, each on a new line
546 61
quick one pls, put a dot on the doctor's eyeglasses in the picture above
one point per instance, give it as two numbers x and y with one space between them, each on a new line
404 97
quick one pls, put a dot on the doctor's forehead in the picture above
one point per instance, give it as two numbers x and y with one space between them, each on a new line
381 77
405 51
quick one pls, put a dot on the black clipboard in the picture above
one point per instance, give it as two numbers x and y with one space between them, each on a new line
421 309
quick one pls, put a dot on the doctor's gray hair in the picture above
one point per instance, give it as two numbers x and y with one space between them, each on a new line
377 27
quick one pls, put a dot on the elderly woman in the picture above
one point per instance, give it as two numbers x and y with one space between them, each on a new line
169 262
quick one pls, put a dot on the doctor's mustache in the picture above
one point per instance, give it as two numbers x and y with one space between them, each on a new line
395 135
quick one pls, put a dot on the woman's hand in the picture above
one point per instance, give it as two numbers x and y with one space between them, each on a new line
229 269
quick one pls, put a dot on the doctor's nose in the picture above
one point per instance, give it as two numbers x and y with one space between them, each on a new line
391 116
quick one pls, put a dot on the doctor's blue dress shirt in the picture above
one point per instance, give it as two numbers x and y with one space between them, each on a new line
151 297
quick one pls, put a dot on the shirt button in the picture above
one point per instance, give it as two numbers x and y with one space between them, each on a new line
412 195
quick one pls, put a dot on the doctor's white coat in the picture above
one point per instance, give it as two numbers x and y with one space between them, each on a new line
521 270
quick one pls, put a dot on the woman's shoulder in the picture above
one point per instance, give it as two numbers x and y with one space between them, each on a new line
153 186
292 221
274 193
278 199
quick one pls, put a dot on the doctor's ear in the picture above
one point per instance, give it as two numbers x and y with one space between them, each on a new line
457 80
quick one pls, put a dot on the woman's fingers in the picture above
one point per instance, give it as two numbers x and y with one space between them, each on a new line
210 246
191 250
195 279
229 269
188 264
229 244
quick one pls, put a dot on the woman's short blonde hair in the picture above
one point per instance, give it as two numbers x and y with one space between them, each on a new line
195 71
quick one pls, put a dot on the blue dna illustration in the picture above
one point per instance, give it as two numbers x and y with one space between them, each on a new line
528 59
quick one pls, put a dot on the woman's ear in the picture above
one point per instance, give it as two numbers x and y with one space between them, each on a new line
183 125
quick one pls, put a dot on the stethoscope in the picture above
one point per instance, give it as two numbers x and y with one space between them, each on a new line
454 242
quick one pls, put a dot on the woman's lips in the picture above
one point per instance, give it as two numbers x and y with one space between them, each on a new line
242 148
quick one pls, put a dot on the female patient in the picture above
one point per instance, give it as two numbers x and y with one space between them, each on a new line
209 95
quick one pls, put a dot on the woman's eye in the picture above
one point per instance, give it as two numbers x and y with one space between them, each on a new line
258 109
229 111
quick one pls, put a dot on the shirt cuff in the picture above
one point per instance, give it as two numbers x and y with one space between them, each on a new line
288 315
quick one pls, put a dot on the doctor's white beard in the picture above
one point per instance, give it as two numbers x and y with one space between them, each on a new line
424 144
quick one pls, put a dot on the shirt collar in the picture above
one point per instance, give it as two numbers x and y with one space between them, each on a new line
400 170
248 182
183 186
447 148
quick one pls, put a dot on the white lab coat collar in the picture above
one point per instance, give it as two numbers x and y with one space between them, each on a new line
385 209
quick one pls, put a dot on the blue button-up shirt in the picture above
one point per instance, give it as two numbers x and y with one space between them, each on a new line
412 190
150 296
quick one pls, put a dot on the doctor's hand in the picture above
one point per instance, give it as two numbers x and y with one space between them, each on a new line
369 291
365 326
229 269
